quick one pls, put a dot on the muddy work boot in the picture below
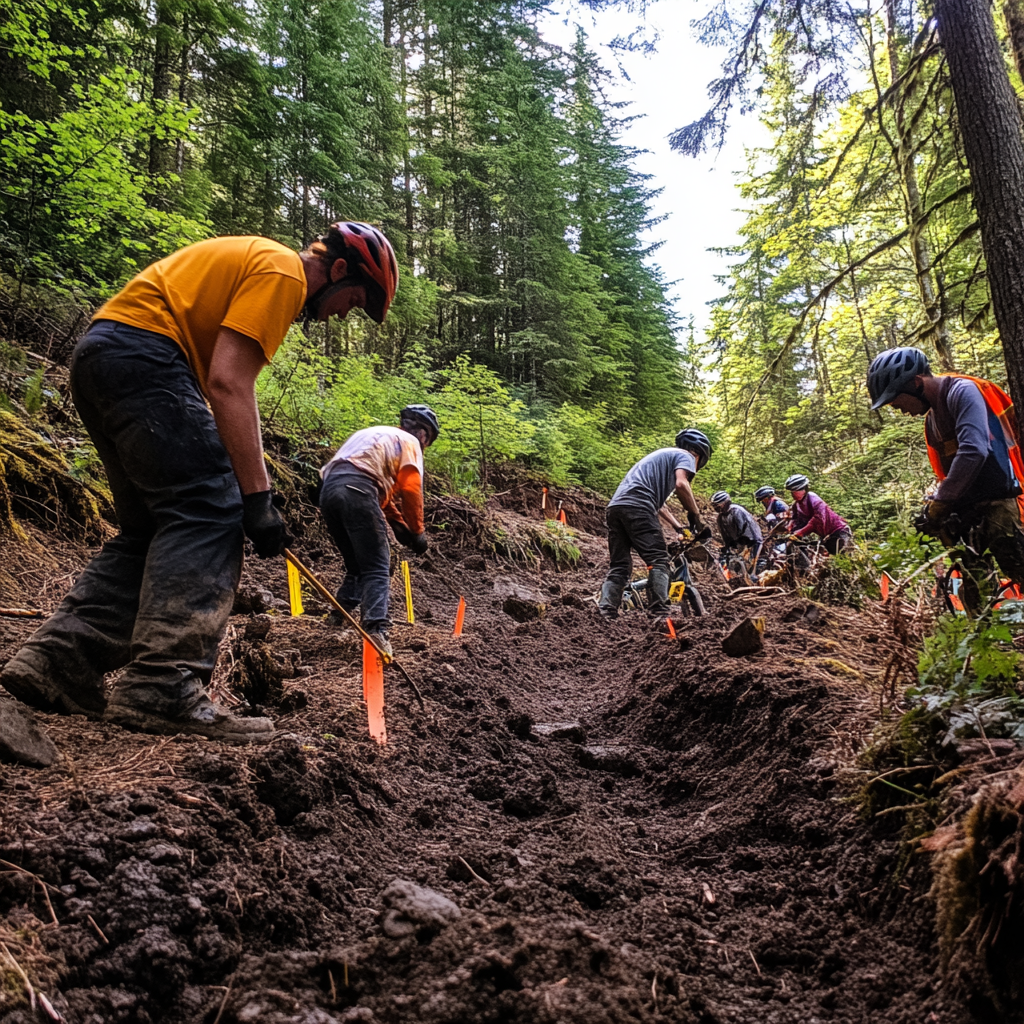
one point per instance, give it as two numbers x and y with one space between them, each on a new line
21 739
611 598
382 640
36 681
658 605
200 717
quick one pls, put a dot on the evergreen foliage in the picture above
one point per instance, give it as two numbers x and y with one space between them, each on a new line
860 235
489 157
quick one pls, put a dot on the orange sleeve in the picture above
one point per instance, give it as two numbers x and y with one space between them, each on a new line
264 307
409 487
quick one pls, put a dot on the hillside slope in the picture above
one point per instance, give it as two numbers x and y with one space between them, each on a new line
632 828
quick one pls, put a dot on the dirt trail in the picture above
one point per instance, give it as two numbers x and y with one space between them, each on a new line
632 829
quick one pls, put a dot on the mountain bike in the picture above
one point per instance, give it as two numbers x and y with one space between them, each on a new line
681 586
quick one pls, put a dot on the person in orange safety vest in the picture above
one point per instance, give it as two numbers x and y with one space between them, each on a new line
972 443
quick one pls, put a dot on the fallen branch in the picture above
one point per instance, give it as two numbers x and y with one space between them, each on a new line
759 591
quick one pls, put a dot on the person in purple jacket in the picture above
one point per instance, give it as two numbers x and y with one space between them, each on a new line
812 515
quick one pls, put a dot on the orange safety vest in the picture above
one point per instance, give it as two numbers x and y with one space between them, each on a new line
999 402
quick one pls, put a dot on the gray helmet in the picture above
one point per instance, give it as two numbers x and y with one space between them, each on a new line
697 441
720 498
892 373
764 492
421 416
797 482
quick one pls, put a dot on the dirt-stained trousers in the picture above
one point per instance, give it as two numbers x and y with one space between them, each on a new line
350 504
636 528
157 597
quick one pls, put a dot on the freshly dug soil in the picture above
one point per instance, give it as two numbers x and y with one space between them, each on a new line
632 828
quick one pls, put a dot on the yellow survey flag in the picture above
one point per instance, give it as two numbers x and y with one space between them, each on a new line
294 589
410 617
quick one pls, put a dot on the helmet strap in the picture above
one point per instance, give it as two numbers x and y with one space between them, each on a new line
313 304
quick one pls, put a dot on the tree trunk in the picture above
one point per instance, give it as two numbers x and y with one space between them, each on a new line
164 31
993 144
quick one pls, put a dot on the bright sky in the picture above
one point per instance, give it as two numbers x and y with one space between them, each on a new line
670 88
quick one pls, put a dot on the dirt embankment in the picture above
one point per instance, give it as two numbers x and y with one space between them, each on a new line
627 828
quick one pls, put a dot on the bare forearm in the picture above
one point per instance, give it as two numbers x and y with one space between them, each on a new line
231 389
238 423
668 518
686 498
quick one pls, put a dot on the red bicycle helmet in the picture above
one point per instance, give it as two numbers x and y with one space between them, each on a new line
373 256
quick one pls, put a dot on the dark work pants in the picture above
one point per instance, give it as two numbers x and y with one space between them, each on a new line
636 529
351 507
838 541
158 595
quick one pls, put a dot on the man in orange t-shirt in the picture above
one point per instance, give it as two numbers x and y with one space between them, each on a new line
376 477
164 381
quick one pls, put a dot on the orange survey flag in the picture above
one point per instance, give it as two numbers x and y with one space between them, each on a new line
373 692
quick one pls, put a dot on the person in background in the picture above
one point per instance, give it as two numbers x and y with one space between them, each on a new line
633 523
774 507
741 536
375 479
812 515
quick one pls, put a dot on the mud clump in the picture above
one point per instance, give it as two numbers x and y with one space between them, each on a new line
415 910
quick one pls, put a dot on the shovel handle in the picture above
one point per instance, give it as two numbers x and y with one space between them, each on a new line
329 597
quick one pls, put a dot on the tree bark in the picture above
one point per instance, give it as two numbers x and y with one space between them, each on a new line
159 150
994 146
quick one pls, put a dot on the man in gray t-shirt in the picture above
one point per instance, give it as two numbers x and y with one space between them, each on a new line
633 523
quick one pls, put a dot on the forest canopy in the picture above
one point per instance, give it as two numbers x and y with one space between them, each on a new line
531 310
489 157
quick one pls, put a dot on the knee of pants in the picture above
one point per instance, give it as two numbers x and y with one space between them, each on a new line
619 573
661 565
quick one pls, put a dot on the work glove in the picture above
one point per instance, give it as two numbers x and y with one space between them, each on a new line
264 525
420 544
402 533
929 519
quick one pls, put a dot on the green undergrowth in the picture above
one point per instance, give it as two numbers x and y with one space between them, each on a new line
968 689
524 540
316 401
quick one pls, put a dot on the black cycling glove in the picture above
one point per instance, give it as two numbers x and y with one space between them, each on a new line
264 525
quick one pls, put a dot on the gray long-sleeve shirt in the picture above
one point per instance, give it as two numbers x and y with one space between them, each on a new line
738 528
971 445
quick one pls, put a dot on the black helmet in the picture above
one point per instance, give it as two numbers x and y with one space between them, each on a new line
764 492
892 373
697 441
797 482
421 416
720 498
